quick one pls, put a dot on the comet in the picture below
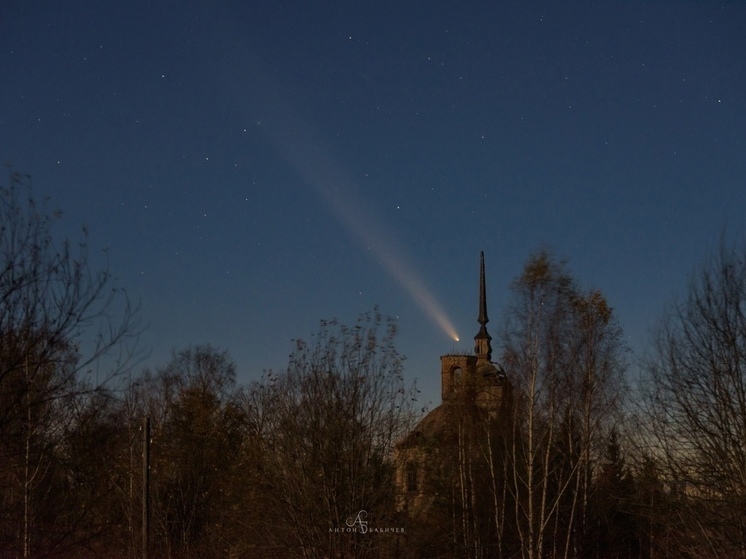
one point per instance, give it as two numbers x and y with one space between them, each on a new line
296 141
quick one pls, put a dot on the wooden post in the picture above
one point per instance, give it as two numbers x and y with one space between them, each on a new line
145 486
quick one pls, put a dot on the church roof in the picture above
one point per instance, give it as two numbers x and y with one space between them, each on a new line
438 423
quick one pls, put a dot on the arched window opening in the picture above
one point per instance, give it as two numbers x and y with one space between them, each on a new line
457 378
412 481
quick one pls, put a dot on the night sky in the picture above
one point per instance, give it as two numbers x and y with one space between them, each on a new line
255 167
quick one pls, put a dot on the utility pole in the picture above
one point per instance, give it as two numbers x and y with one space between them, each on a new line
145 486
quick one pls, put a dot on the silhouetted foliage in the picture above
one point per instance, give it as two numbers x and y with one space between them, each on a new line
696 407
286 466
327 427
564 353
59 317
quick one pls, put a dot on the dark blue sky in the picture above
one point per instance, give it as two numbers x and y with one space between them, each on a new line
257 166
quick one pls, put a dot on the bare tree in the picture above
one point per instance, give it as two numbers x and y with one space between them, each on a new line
328 425
59 316
696 405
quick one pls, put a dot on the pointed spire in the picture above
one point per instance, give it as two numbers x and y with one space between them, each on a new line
483 320
482 346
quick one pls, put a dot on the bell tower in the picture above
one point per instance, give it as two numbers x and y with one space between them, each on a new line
471 386
474 377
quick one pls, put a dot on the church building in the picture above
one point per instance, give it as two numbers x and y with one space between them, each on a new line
473 388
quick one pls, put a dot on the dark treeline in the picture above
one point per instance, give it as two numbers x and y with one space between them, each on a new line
305 461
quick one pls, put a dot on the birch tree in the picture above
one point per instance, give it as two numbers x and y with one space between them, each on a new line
564 354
